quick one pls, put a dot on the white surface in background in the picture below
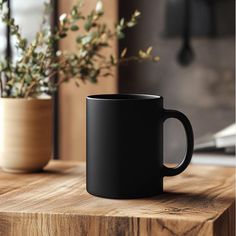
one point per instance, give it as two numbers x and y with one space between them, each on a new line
28 15
226 137
214 159
228 131
2 39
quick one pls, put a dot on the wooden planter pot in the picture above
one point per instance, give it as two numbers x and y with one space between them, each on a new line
25 134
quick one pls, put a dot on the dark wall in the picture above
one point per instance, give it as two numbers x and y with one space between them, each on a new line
204 90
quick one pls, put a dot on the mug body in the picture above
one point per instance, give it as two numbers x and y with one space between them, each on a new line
124 145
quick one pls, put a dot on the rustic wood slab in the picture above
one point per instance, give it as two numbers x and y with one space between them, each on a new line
198 202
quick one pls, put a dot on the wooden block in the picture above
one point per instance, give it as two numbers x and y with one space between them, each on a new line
198 202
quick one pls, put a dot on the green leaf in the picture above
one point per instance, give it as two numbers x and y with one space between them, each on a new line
79 38
142 54
156 58
123 53
107 74
122 21
63 18
99 8
77 84
55 65
28 79
120 35
86 40
23 43
74 12
62 35
88 25
131 24
74 28
137 13
93 79
149 50
113 60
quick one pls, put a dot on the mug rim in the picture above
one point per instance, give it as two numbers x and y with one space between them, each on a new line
123 97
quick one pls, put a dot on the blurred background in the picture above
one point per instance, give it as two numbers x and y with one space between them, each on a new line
203 87
195 40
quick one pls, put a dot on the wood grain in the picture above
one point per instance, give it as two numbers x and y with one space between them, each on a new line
72 99
198 202
26 134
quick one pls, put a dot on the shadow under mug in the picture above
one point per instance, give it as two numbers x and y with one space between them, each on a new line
125 145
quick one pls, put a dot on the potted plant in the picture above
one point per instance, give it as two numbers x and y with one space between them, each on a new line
27 82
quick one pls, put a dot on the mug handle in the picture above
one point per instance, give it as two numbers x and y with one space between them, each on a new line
190 139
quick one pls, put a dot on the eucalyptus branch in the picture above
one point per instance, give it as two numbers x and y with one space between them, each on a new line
30 89
30 75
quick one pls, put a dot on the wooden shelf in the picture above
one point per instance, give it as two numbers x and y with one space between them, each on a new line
198 202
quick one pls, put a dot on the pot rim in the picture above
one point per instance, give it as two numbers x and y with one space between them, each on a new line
27 99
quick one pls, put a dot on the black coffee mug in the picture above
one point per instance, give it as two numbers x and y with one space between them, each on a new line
125 145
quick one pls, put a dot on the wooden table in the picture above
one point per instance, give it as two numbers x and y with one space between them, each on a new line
198 202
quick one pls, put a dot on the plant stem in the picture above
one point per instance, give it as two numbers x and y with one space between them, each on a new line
30 89
61 81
